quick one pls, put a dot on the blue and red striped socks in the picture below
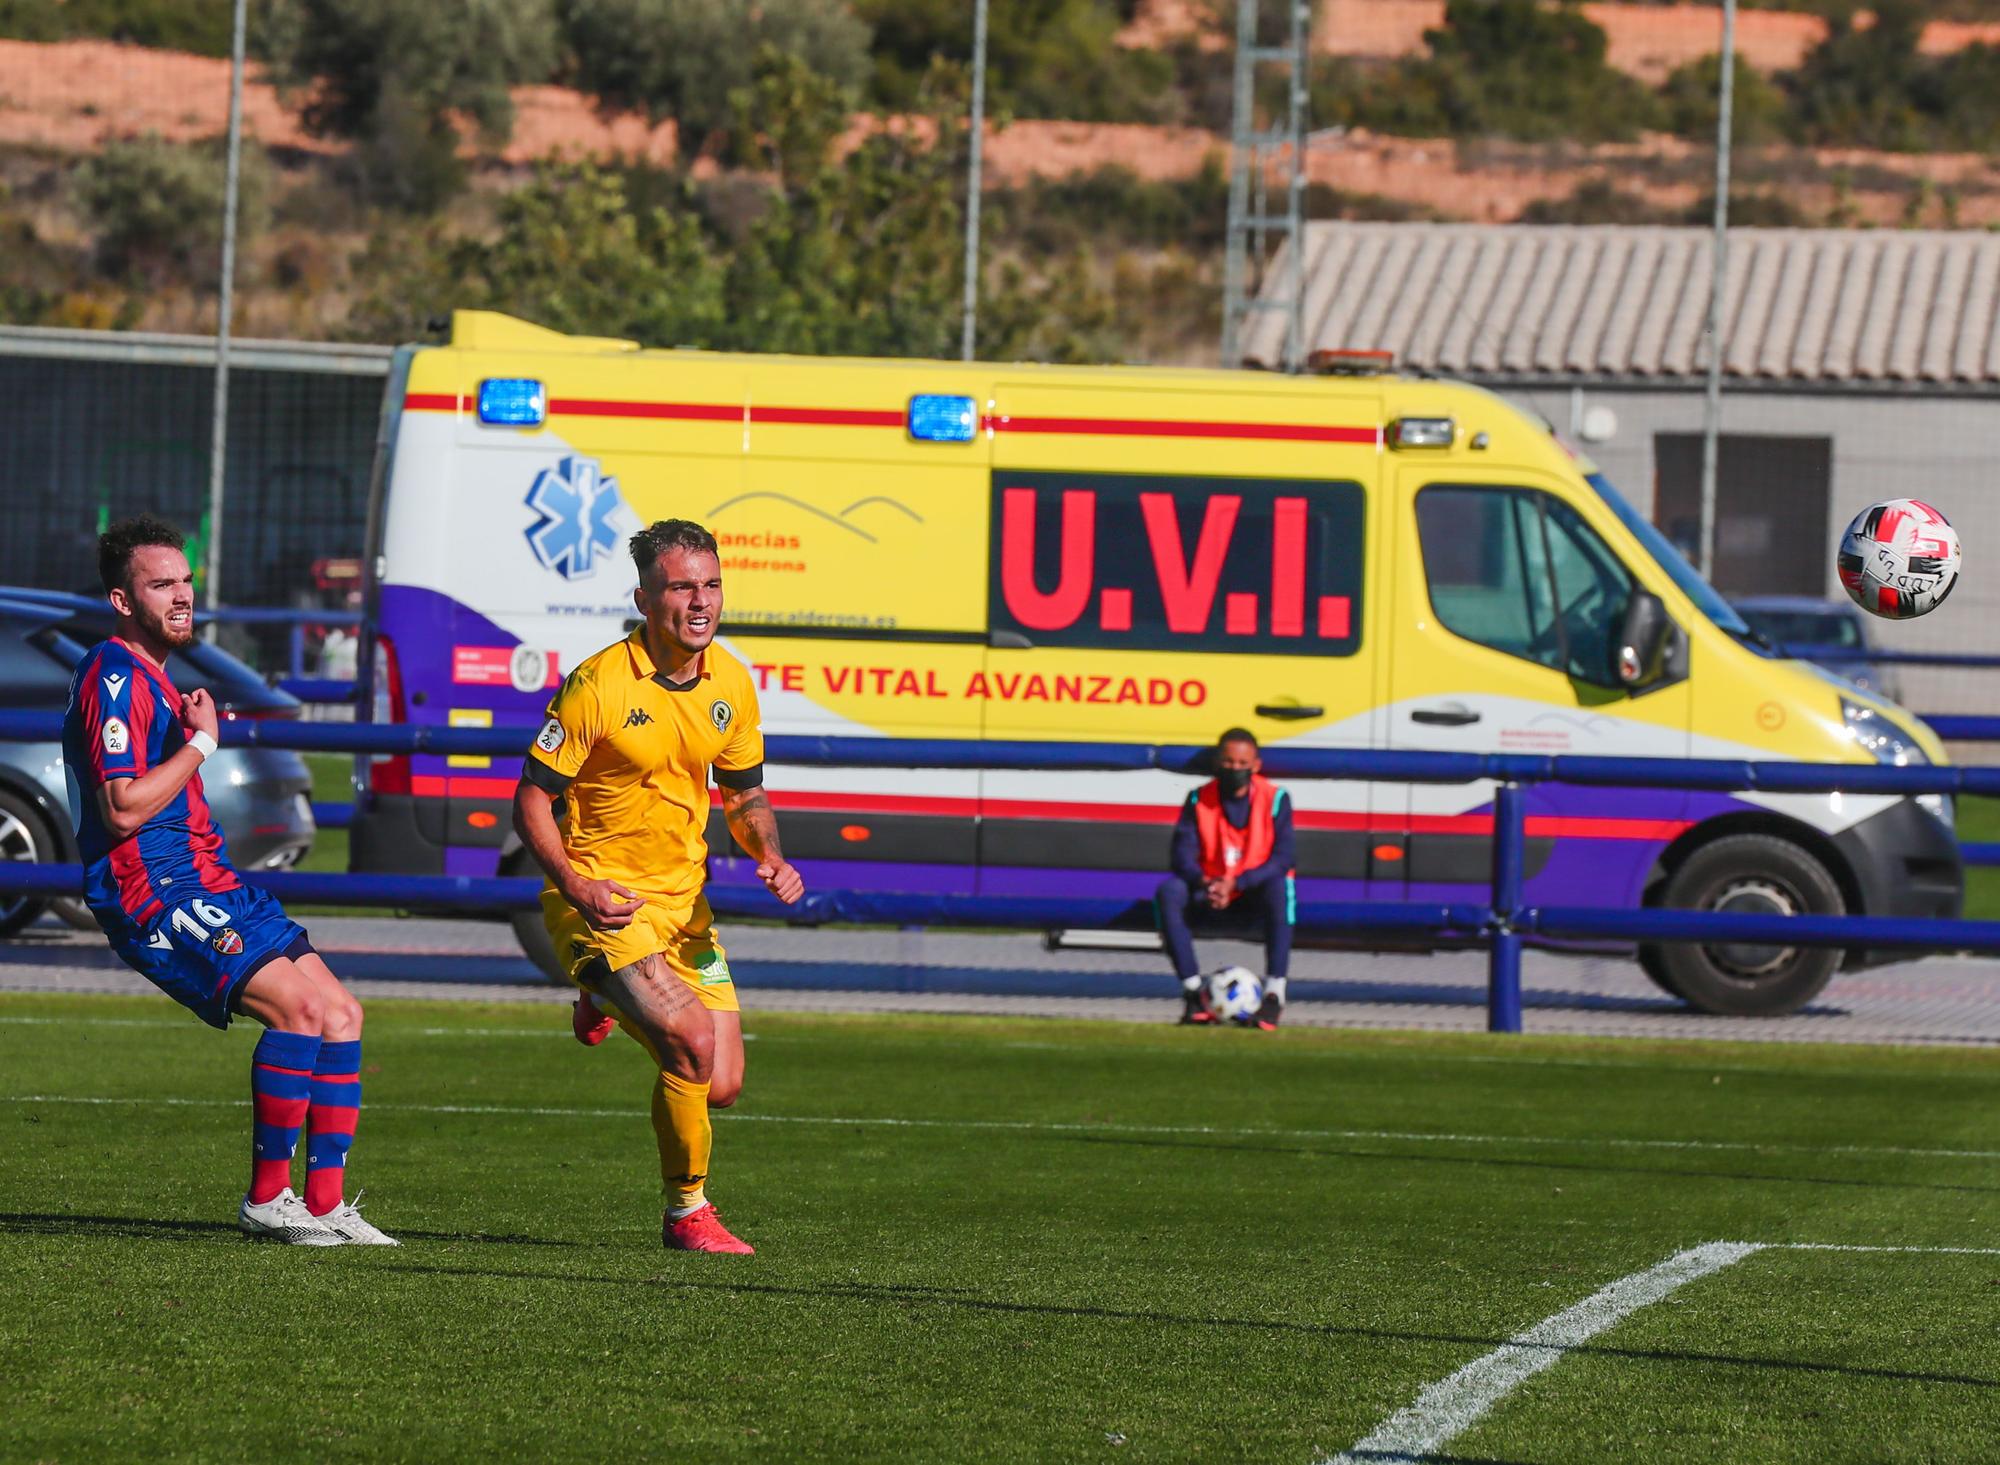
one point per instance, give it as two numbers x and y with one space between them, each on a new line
281 1075
336 1107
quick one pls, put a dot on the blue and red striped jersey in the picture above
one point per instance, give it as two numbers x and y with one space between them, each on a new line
123 719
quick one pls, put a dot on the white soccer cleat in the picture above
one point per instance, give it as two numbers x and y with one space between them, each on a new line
284 1217
352 1227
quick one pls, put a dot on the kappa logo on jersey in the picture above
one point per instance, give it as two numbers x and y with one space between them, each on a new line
638 717
113 686
551 736
720 713
580 517
116 739
228 942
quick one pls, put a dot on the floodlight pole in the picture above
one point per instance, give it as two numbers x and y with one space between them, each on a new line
972 179
1711 422
219 429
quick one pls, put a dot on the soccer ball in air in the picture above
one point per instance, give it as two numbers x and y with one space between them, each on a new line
1899 559
1235 994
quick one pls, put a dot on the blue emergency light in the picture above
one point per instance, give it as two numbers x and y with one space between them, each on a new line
512 401
936 419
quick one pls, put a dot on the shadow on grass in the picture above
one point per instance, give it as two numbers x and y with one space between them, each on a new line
153 1228
1495 1162
905 1295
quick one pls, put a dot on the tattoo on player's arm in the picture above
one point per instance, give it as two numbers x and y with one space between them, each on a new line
752 822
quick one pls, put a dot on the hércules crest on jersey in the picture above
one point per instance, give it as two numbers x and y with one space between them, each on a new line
721 714
227 942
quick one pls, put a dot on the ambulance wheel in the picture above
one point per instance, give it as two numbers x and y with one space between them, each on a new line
23 837
1759 874
529 929
534 939
1653 962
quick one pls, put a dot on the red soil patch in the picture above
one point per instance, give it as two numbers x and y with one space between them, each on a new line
76 96
1646 40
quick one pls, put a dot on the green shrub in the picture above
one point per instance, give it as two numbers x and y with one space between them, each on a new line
1597 201
1690 99
201 26
1045 58
1509 68
155 208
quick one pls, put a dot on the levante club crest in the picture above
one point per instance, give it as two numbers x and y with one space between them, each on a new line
228 942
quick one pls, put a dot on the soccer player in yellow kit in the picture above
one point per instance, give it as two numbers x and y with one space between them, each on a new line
631 737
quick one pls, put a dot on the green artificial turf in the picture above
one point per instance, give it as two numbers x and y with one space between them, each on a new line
997 1239
333 782
1979 821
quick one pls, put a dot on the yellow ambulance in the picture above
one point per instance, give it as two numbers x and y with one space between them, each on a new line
919 550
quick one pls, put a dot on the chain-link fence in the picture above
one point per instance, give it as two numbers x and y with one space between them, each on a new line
92 434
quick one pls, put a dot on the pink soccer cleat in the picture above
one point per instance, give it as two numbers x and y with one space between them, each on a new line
702 1231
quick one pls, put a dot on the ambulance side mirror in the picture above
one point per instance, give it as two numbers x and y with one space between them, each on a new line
1642 641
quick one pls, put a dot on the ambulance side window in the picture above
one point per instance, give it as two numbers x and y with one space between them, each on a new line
1592 587
1487 559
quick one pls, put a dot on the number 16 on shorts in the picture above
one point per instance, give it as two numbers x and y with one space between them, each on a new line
201 951
199 923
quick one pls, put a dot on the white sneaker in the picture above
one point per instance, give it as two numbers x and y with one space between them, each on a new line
346 1222
284 1217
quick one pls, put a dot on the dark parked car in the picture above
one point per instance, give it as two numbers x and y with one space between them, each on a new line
261 796
1805 626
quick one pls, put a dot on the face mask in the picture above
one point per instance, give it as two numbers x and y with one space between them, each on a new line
1233 780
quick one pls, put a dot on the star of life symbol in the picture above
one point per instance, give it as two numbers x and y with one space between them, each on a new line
580 517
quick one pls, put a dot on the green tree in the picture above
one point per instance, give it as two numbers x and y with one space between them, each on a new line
855 254
394 77
1690 101
684 58
1507 67
1045 58
1858 86
1961 93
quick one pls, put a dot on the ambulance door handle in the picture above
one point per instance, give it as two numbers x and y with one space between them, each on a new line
1453 716
1009 641
1286 712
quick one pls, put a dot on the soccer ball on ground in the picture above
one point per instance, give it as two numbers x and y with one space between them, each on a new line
1899 559
1235 993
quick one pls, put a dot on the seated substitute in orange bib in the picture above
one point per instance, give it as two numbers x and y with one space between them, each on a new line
631 737
1232 874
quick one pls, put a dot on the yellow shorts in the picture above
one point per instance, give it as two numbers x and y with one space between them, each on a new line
683 934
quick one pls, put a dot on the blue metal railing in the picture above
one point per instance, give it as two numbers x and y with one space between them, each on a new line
1501 923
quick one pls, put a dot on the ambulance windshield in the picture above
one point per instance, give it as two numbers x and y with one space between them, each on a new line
1674 563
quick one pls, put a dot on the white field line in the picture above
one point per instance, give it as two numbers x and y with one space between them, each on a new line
1007 1126
1452 1405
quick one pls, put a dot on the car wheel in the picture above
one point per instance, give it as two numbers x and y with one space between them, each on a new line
1768 876
23 837
74 914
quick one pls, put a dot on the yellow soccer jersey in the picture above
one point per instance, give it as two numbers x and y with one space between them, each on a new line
630 753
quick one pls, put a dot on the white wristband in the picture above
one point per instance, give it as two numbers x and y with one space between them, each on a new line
203 743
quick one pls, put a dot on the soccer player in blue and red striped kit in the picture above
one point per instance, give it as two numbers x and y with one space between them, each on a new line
158 880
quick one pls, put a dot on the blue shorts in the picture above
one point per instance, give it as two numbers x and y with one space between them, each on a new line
201 950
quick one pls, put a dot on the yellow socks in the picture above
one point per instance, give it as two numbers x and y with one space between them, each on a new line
680 1119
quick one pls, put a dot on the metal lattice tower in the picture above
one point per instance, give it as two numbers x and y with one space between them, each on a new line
1252 153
